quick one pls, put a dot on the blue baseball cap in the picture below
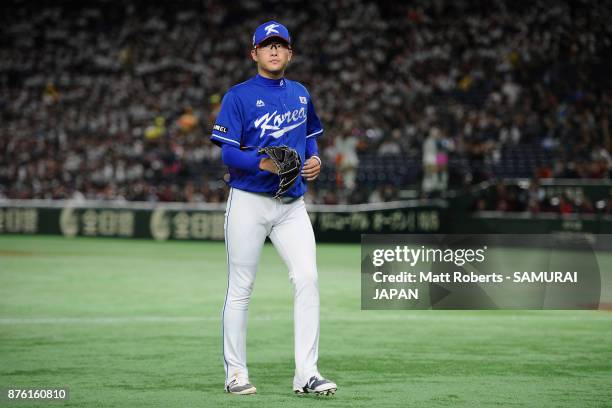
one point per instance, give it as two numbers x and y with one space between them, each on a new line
269 30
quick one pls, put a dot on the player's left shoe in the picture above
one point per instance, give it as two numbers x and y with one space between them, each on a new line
316 385
240 386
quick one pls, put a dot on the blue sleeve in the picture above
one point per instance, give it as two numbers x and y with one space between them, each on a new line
228 127
311 147
247 160
313 124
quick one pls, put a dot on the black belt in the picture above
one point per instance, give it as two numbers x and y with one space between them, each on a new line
288 200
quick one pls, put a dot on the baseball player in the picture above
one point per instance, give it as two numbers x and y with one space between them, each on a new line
267 129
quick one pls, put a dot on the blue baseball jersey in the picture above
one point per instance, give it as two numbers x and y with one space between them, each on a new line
266 112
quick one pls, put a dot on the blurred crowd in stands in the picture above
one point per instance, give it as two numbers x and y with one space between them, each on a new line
115 100
533 197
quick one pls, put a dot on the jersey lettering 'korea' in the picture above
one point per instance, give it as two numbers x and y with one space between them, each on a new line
266 112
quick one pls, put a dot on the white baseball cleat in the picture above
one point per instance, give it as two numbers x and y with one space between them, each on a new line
240 386
316 385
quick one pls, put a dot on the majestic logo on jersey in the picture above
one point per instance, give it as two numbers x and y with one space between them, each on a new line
220 128
271 29
274 121
260 103
303 100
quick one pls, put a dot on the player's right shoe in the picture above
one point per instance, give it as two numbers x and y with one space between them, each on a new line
240 386
316 385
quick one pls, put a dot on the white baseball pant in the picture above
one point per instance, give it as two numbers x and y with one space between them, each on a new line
249 218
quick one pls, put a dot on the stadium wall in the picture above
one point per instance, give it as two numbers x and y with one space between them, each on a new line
343 223
180 221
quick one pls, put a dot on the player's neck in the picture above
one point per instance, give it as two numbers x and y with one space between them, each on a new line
271 75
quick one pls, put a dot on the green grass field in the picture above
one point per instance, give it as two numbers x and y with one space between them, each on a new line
128 323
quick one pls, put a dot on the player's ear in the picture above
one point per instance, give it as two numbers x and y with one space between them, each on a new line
254 54
290 55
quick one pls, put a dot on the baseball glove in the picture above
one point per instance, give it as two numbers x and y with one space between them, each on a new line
288 163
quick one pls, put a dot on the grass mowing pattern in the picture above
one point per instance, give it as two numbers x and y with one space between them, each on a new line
128 323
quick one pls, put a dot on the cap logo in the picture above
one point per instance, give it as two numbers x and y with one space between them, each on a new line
271 29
